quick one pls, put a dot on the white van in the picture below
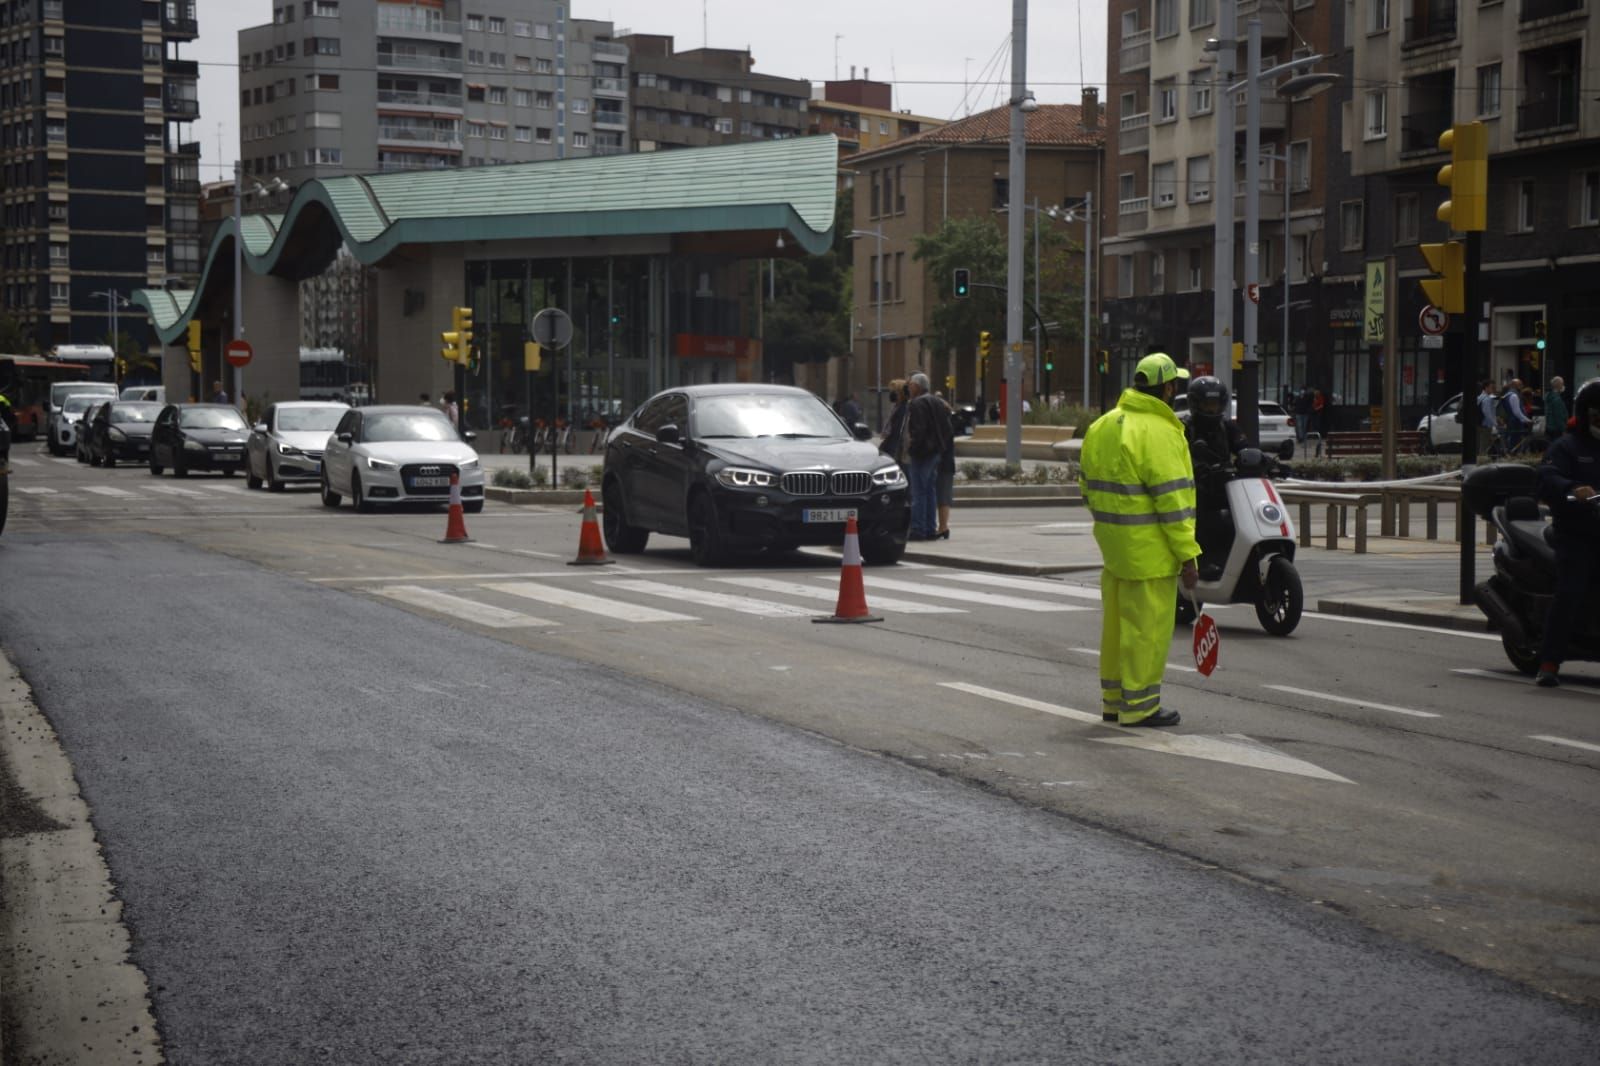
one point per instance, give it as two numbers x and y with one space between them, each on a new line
153 393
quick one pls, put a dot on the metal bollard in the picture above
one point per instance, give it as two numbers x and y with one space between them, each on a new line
1361 528
1305 523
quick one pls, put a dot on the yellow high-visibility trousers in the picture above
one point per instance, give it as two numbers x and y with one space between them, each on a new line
1136 623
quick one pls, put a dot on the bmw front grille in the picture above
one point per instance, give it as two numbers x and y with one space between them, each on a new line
819 483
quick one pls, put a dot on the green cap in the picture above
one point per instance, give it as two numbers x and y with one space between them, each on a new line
1157 369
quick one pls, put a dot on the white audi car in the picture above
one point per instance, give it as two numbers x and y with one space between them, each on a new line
286 445
388 455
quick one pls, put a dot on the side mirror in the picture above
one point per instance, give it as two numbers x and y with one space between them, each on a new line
862 431
1250 457
669 434
469 436
345 438
1457 415
260 427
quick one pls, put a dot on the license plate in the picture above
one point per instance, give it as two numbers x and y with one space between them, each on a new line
229 456
827 514
429 482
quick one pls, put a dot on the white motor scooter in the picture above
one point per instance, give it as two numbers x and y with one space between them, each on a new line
1259 565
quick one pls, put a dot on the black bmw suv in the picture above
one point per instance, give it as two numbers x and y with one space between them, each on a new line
741 467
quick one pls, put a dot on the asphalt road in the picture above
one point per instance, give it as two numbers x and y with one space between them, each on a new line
348 825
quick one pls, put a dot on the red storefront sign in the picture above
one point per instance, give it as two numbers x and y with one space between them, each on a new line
704 346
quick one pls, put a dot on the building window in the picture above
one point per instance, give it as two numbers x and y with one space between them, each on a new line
476 93
476 129
1522 207
1197 269
541 30
521 64
724 125
475 57
1300 166
322 83
497 132
580 106
522 28
900 190
322 46
1002 193
320 157
1158 273
58 255
1377 16
643 80
1489 90
544 100
1164 184
1199 93
1377 124
1405 218
60 294
1125 275
541 135
1300 254
580 139
1167 101
497 94
54 46
1352 225
1589 198
544 66
1199 178
899 286
475 23
497 60
875 209
322 9
524 98
497 25
1166 18
1201 13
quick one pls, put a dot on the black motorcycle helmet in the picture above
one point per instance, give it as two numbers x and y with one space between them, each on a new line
1208 399
1586 400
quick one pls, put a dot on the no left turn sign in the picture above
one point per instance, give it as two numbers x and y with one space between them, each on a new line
1432 320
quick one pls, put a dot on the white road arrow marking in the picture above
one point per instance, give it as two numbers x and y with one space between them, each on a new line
1519 680
1564 741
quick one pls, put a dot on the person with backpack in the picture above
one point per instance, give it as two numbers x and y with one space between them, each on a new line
1517 423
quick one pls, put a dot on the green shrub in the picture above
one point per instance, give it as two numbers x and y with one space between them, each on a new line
507 477
972 469
574 477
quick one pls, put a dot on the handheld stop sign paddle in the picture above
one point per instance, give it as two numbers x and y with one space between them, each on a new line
1206 638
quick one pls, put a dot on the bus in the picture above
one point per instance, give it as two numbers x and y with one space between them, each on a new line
327 374
99 358
25 380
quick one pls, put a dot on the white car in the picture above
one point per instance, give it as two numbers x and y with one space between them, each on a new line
287 444
60 439
63 423
1274 424
1442 429
395 454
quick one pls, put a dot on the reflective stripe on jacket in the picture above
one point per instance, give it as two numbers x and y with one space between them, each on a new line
1138 483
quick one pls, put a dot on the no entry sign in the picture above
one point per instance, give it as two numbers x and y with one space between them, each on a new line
238 353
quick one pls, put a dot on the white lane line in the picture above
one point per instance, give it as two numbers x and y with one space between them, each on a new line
704 598
107 490
223 486
1309 694
582 573
1065 525
581 601
929 589
1029 584
1518 679
514 551
175 490
1382 624
1564 741
1024 701
24 462
794 588
458 607
37 490
1180 667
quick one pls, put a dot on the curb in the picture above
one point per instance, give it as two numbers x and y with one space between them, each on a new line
1411 616
534 497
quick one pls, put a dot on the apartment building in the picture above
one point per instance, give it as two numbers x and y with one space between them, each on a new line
707 96
1163 177
860 112
362 86
99 172
1519 67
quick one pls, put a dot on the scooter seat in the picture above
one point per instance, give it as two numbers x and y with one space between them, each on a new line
1533 538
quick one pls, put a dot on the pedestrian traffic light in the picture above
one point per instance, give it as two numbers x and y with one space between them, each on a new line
1466 176
458 340
1448 291
1238 355
1540 335
963 283
983 346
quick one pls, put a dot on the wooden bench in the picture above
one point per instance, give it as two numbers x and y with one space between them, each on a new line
1366 442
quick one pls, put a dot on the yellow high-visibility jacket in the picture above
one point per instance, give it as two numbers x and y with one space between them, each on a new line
1138 482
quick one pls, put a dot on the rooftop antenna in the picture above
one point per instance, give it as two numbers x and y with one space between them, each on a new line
836 39
894 83
966 84
705 24
219 147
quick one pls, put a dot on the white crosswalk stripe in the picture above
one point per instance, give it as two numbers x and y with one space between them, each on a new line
794 588
1029 584
37 490
459 607
617 610
174 490
24 462
110 490
928 588
704 598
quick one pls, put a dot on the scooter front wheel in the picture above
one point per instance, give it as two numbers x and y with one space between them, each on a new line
1526 660
1282 600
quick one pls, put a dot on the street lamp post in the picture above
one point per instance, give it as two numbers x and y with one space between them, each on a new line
1070 215
275 185
877 286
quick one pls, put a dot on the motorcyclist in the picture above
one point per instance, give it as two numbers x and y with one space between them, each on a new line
1569 478
1215 440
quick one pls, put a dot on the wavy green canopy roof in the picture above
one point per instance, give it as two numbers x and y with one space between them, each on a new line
787 185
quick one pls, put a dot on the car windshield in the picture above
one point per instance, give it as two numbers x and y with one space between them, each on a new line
309 419
61 390
75 405
379 428
764 415
210 418
134 412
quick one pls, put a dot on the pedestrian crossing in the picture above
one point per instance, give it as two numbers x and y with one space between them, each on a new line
195 490
636 597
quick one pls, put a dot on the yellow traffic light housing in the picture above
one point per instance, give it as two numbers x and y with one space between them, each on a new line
1466 176
1448 291
458 339
1238 355
983 345
194 345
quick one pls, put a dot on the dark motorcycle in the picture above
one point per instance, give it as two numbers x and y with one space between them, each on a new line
1517 596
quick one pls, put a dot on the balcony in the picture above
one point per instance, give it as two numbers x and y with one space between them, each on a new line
52 10
615 119
394 98
1534 10
608 149
1274 113
1419 131
1133 214
608 48
1555 113
1273 16
181 108
430 64
182 68
1431 25
183 186
420 135
1133 133
1135 51
610 87
416 21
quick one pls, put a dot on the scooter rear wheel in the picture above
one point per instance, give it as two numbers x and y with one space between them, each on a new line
1526 660
1282 600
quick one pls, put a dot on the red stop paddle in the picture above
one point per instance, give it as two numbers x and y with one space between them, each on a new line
1206 638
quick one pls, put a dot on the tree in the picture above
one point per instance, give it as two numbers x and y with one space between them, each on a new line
808 321
16 338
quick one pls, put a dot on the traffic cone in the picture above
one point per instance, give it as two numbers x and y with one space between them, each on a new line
455 530
852 605
590 551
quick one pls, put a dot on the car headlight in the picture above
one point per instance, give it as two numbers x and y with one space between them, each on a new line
890 477
193 446
287 449
379 464
738 477
470 464
116 434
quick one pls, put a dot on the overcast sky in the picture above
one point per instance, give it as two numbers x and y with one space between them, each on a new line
928 48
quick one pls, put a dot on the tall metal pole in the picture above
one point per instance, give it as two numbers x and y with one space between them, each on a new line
1474 367
1017 186
1283 383
1245 388
1222 197
878 294
238 277
1037 270
1088 242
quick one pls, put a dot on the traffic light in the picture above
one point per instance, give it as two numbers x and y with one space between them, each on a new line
963 283
1105 362
1049 360
1448 291
1466 176
531 357
983 346
1540 335
194 345
1238 355
458 340
950 383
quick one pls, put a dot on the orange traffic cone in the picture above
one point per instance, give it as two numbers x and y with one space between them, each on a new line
455 530
590 551
852 605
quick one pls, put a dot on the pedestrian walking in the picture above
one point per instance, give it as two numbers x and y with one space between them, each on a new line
1138 482
1555 409
927 430
893 434
1511 413
1568 480
1488 417
1319 413
850 410
947 472
218 393
1302 414
451 411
